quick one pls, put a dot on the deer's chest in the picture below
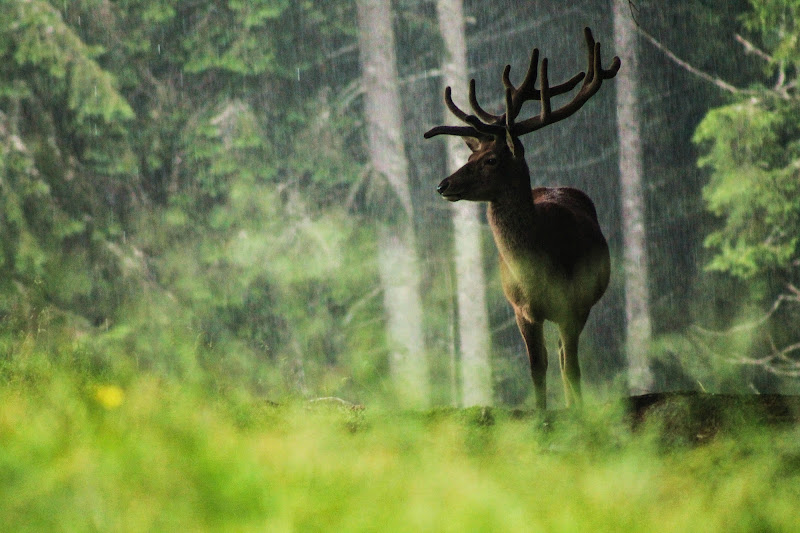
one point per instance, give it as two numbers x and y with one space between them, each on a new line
534 290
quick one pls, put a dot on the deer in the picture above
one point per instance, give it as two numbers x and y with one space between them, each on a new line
554 258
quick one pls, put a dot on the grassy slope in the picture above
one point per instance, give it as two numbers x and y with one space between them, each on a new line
164 456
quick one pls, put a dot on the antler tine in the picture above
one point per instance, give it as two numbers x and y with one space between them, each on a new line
476 128
476 107
591 49
526 87
509 117
595 63
472 120
568 85
545 93
609 73
526 90
507 79
458 131
591 84
454 109
530 76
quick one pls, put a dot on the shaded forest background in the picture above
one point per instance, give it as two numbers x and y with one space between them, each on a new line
186 190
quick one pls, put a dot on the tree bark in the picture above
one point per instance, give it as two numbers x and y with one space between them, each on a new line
398 263
631 166
473 319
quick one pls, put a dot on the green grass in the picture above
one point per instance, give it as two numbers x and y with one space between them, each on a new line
157 455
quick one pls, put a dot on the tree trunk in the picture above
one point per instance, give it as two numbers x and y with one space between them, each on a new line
398 263
473 320
637 299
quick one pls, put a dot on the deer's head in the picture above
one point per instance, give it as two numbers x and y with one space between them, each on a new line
497 162
491 170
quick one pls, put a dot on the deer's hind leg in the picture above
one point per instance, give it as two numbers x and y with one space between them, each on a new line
533 335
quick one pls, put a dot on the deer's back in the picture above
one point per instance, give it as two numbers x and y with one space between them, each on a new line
565 197
567 228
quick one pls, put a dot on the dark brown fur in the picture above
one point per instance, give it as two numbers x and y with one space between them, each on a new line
554 260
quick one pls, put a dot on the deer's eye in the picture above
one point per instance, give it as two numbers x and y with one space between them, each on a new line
491 161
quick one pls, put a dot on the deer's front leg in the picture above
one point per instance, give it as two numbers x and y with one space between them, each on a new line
533 335
568 360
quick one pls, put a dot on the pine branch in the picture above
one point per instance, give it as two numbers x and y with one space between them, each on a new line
750 48
719 82
780 361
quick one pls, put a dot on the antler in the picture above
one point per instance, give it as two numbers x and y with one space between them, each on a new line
486 125
591 84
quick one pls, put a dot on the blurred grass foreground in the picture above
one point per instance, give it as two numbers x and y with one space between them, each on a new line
160 455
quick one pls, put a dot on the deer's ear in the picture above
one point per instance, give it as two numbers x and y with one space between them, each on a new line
514 145
473 143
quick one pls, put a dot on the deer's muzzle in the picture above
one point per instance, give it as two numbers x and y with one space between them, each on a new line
444 188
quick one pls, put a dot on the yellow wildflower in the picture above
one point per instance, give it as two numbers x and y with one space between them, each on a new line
109 396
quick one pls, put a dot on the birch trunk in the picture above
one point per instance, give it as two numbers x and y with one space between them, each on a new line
473 320
398 263
637 300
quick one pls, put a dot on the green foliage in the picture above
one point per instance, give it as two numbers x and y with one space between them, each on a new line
39 38
753 150
156 454
233 38
62 123
170 198
776 22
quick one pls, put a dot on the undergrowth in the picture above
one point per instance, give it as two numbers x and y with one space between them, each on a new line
82 452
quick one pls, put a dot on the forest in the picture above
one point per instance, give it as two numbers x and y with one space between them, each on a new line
219 225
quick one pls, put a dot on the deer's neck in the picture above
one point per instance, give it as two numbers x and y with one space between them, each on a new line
512 217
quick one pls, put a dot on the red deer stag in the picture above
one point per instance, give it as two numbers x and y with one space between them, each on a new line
554 261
